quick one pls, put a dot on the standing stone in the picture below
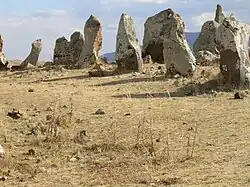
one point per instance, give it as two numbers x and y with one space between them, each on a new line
33 57
219 16
233 38
153 36
207 38
2 155
128 51
76 45
178 56
205 47
92 44
3 61
62 52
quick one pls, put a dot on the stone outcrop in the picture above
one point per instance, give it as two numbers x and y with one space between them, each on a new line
207 38
62 52
178 56
2 154
3 60
33 57
128 51
232 37
153 36
76 46
206 43
66 52
92 44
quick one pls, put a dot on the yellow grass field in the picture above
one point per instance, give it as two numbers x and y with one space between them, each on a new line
151 134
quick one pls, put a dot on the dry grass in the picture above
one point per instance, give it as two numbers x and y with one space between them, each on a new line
151 133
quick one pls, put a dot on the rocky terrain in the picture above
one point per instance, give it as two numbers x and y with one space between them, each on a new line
163 115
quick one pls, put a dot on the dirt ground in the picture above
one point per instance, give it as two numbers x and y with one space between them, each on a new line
151 133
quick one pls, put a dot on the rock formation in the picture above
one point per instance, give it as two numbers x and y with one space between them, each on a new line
66 52
3 60
76 46
62 52
153 36
232 37
206 43
33 57
178 56
92 44
128 52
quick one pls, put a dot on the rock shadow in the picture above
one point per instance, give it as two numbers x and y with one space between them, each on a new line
190 89
133 80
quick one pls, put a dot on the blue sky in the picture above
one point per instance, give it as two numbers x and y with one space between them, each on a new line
23 21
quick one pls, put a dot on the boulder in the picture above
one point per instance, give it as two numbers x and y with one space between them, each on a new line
233 37
206 42
178 56
207 38
128 51
92 44
3 60
76 45
62 52
153 36
33 57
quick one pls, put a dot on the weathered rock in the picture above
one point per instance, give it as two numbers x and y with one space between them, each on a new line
147 60
76 45
128 52
62 52
232 37
92 44
178 56
206 58
153 36
206 43
3 60
33 57
207 38
2 152
2 156
219 16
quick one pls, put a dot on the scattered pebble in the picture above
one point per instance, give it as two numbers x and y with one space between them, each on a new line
31 90
100 111
15 114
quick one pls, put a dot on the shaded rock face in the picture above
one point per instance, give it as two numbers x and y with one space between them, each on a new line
66 52
62 52
206 41
76 45
36 48
153 36
207 38
128 51
233 38
178 56
92 44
